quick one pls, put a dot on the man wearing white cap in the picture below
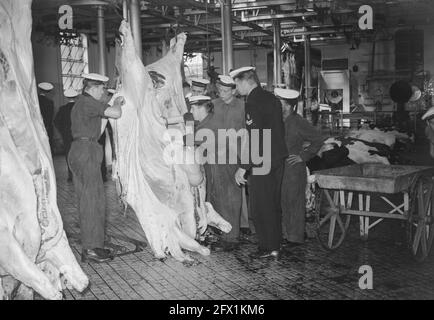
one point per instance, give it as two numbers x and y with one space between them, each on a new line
263 111
223 192
62 121
46 106
199 86
85 159
297 131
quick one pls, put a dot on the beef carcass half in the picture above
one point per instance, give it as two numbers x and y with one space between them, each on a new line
168 198
34 251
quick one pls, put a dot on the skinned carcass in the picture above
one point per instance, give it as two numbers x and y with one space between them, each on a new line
34 251
170 207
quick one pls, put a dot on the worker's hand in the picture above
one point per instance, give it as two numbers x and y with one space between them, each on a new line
239 176
188 116
293 159
119 101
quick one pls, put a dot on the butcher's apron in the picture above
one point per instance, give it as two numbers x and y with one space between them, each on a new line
294 202
85 159
225 195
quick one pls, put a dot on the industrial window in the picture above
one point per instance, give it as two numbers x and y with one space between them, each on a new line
193 65
74 57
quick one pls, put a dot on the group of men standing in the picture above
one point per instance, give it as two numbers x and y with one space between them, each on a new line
261 111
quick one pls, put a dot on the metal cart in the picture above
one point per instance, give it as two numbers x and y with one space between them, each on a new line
341 186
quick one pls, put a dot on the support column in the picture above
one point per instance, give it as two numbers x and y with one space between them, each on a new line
125 10
307 69
102 54
136 26
228 53
276 51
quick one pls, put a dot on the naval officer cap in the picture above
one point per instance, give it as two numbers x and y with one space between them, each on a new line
226 81
95 77
199 82
429 114
70 93
239 72
199 99
286 94
46 86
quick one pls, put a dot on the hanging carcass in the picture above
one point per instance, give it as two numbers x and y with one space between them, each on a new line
34 251
168 198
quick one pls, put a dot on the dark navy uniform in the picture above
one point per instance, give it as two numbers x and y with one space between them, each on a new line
62 122
85 159
47 111
264 111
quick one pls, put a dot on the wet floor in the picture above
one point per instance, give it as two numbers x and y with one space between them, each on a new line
305 272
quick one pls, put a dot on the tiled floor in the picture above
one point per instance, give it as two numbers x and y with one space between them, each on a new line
307 272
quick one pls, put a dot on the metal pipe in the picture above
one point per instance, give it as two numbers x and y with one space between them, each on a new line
307 68
102 55
228 57
135 26
276 52
125 10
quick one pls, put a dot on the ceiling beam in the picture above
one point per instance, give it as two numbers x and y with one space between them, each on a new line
184 21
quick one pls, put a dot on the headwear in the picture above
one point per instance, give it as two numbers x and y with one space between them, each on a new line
198 99
226 81
111 91
95 77
429 114
237 72
264 84
198 82
286 93
45 86
70 93
416 94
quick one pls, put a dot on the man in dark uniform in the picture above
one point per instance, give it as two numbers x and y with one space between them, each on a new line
46 106
85 159
263 111
62 121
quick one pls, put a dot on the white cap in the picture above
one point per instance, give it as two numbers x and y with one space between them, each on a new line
95 77
286 93
45 86
416 94
237 72
70 93
429 114
199 82
226 81
112 91
264 84
199 99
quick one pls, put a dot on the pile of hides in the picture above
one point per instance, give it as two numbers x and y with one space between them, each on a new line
361 146
168 198
34 251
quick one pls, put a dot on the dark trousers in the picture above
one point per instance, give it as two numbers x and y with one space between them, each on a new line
294 202
67 148
225 196
85 161
265 207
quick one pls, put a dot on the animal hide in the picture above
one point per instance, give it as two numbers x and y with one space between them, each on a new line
34 251
159 191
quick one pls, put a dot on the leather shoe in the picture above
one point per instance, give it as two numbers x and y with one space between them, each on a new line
263 254
289 244
97 255
225 245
